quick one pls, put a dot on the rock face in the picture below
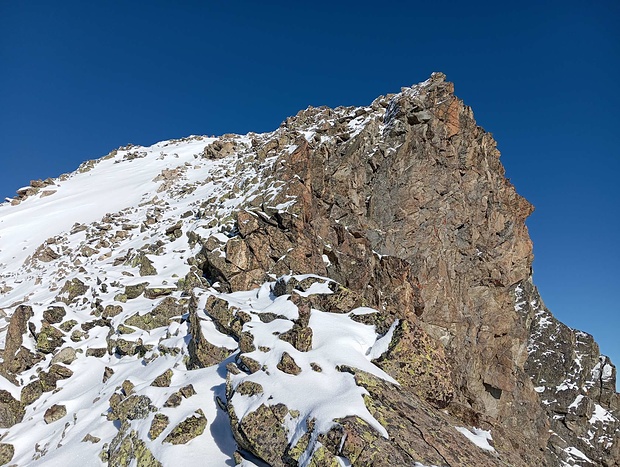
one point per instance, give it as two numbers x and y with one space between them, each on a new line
577 385
352 287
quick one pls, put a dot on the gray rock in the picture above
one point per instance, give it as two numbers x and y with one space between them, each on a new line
66 356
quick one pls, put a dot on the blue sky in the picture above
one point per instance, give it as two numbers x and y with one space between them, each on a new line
79 79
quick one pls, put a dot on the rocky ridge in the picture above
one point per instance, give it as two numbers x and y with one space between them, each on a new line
354 287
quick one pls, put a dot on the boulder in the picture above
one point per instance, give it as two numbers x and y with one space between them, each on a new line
188 429
54 413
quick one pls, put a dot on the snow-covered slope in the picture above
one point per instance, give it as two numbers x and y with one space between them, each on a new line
129 220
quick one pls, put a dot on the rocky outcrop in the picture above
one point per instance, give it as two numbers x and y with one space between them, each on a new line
408 202
15 357
576 385
352 287
413 215
11 410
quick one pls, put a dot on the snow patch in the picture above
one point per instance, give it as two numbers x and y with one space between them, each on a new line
477 436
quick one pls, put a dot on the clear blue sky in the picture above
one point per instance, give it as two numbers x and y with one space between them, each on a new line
78 79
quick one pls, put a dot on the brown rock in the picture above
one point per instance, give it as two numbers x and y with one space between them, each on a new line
31 392
163 380
247 223
94 352
187 391
54 413
15 360
107 373
201 352
88 438
54 314
288 365
54 373
174 400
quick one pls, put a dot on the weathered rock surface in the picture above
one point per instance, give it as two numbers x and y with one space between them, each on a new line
54 413
6 453
187 430
393 221
11 410
415 217
575 382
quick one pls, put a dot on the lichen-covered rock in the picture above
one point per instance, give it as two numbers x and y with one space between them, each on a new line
299 337
163 380
158 425
203 353
101 322
88 438
54 374
187 391
159 316
49 338
398 212
111 311
128 449
54 314
437 251
96 352
7 451
156 292
174 400
31 392
46 382
71 290
144 264
249 388
248 364
132 407
68 325
107 373
287 365
11 410
188 429
134 291
418 363
262 432
418 433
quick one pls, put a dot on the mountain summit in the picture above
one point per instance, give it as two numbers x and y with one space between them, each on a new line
353 288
